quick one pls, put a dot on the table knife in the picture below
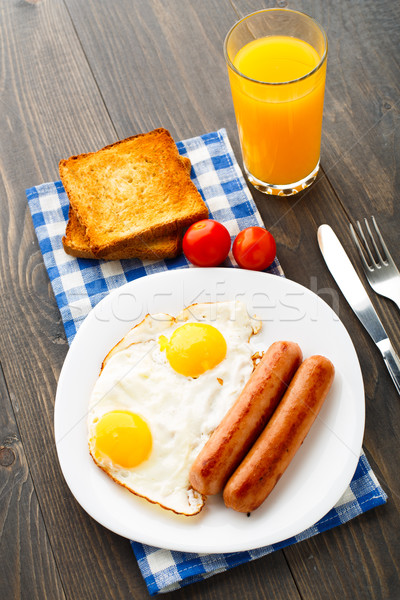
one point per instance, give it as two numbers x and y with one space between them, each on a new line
353 290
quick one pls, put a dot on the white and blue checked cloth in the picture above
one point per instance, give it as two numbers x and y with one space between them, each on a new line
79 284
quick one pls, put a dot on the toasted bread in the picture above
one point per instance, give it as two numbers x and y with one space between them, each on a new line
76 244
135 191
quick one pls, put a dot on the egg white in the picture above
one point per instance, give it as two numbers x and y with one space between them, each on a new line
181 411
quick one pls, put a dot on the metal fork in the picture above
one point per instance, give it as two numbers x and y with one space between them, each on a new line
381 272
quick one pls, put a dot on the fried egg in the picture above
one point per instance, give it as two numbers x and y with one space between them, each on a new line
162 391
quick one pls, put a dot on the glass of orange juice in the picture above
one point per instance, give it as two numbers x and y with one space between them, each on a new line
276 62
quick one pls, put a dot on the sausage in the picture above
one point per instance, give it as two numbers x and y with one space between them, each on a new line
267 460
244 422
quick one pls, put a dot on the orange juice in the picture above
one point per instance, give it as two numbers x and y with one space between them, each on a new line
278 104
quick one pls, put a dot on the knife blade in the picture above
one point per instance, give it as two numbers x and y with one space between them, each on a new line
353 290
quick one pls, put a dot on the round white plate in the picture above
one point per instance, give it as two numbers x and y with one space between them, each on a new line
318 475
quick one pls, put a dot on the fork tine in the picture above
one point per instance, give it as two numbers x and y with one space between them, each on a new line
387 253
360 250
383 276
382 260
366 245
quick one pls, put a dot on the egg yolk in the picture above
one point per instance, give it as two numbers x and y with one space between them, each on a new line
194 348
124 437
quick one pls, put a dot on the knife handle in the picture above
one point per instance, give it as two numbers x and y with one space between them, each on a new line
392 362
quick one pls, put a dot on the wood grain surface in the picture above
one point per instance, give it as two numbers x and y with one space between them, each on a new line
75 76
25 551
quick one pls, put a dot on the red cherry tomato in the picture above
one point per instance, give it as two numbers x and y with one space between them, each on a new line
254 248
206 243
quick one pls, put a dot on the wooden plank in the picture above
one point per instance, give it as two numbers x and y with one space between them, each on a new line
159 63
47 121
50 108
357 560
28 567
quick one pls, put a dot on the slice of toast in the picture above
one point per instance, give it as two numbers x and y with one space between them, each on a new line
136 190
76 243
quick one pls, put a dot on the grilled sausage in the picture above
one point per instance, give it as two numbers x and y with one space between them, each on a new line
244 422
267 460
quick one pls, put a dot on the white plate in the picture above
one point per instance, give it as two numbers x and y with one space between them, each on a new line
320 471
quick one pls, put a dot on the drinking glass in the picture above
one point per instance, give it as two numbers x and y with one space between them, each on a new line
276 61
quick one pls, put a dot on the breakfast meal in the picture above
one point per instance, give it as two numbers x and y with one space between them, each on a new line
184 408
130 199
244 422
135 198
162 391
267 460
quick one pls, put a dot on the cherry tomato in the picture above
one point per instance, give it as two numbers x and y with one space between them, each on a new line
254 248
206 243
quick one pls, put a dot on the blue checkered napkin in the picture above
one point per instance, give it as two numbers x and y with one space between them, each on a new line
79 284
166 570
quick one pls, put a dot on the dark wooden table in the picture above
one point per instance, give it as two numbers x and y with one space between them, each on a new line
77 75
